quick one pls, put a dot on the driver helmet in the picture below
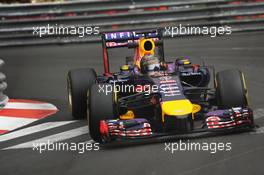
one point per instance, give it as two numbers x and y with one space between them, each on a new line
149 63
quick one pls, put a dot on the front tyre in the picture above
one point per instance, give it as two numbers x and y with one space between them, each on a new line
101 106
78 83
231 89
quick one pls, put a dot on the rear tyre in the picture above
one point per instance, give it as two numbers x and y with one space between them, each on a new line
231 89
101 106
78 83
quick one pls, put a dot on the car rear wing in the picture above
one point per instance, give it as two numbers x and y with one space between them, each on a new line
128 38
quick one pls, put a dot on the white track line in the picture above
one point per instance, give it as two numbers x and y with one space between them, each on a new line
33 129
259 130
39 106
52 138
90 141
10 123
258 113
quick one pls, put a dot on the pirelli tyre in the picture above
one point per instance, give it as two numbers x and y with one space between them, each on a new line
101 106
231 89
78 83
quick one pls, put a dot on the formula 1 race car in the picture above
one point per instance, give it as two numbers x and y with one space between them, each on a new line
150 97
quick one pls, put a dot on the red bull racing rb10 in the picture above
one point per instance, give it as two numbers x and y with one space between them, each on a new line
150 97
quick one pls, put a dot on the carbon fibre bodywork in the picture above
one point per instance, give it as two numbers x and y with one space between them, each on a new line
176 99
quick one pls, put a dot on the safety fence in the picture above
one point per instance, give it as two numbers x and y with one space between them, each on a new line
81 21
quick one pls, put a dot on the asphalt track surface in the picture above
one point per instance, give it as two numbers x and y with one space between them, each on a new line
39 72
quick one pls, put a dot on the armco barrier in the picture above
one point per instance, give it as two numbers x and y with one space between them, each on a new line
3 86
16 26
110 6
